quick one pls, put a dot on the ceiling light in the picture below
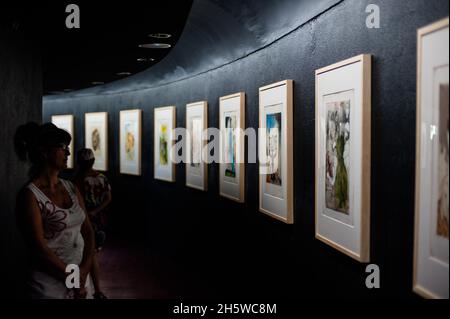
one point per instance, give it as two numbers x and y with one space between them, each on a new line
155 46
123 73
160 35
145 59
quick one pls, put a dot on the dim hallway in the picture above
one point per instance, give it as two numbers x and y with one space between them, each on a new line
332 192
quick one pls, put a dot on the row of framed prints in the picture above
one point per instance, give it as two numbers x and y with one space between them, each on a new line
342 159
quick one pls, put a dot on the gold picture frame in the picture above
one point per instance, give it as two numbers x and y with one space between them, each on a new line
342 165
276 169
96 138
232 147
130 142
196 164
163 125
431 241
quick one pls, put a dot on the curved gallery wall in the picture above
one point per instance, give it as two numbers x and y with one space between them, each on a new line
231 249
21 101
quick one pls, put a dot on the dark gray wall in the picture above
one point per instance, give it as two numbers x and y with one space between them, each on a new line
230 249
20 102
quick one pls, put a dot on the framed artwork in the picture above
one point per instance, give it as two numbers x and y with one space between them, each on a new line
276 171
66 122
232 143
130 142
431 248
196 166
164 124
342 196
96 138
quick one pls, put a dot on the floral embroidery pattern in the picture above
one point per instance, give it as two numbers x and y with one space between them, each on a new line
52 219
95 189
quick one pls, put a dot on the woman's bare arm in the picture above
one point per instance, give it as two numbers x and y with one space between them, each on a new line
103 205
89 240
29 216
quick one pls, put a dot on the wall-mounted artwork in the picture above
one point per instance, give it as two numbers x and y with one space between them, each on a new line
431 249
196 166
276 171
232 152
343 103
96 138
130 142
66 122
164 124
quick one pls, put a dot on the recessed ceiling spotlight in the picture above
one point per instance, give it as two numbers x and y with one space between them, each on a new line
160 35
97 83
145 59
123 73
155 46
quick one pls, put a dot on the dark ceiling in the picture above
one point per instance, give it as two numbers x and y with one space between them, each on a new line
217 33
106 43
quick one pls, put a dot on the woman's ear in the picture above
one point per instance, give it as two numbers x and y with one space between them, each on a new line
43 152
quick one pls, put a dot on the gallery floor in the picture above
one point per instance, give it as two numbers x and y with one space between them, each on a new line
128 272
131 270
125 273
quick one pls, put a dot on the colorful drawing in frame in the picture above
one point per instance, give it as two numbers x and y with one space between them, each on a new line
343 130
96 138
274 147
163 145
443 199
232 143
130 142
337 156
164 124
276 169
130 139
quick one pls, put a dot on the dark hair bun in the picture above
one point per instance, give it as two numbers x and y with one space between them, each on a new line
25 139
30 137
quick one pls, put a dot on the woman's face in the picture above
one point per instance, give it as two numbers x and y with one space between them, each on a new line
57 156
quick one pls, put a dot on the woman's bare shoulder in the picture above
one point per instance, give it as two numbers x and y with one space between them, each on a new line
25 193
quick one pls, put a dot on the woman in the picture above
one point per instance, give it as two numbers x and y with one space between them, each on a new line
96 192
51 215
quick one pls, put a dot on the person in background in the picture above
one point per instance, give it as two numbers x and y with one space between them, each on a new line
96 192
51 215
